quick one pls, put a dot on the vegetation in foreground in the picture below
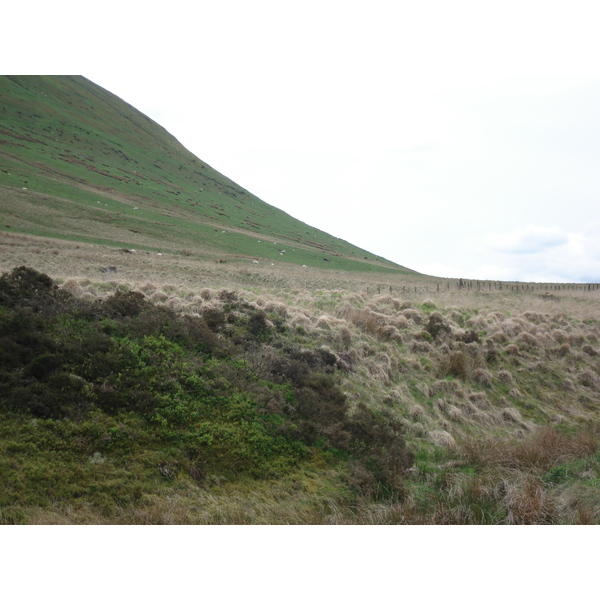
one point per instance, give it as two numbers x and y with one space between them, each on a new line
215 406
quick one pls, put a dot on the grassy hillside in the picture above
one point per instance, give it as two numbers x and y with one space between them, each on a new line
78 163
198 386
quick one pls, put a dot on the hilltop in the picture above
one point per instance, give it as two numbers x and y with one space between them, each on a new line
78 163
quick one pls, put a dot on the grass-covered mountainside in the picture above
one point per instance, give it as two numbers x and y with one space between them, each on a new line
78 163
152 372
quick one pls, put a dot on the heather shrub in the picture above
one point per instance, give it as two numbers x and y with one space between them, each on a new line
377 439
25 287
126 304
214 318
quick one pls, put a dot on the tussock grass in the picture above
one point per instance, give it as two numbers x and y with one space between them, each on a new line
542 449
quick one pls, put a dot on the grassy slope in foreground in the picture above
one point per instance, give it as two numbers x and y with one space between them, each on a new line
79 163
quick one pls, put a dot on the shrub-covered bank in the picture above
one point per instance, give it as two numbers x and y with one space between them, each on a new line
128 404
105 402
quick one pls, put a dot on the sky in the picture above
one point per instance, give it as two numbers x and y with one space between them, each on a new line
456 138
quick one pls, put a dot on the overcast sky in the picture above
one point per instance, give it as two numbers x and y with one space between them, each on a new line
457 138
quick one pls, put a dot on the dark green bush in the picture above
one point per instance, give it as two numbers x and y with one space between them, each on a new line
24 286
214 318
125 304
43 365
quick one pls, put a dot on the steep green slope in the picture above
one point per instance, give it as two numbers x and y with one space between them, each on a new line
76 162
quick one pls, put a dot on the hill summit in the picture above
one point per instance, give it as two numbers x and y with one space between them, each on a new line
79 163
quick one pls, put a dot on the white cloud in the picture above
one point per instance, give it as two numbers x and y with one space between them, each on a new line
530 239
437 269
546 254
493 272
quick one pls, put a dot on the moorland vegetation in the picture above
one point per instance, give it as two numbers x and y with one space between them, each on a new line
173 350
148 403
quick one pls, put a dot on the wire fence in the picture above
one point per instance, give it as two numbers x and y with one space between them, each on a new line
469 285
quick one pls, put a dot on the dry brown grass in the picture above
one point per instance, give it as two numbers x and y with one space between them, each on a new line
542 449
528 502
